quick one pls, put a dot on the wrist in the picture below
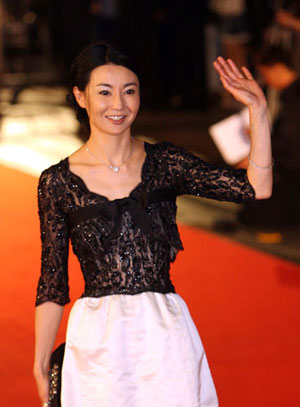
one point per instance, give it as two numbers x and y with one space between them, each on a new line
259 108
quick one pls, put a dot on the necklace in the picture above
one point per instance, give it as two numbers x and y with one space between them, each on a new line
112 167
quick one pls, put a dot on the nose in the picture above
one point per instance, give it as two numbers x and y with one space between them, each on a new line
118 102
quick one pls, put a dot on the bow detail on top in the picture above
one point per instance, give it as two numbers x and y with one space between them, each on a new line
113 211
136 207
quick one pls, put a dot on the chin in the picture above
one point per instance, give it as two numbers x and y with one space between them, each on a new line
115 131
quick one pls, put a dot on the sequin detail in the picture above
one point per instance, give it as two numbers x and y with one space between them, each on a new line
54 377
133 261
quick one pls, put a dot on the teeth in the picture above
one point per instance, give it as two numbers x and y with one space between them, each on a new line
116 117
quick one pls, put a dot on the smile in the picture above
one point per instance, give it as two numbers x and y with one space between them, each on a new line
116 117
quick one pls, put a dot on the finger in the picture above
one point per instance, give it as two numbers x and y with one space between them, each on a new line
219 68
226 84
226 67
247 73
235 69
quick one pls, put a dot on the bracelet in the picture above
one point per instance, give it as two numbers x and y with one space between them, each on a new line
258 166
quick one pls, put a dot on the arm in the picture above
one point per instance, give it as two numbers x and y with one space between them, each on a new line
47 319
53 289
246 90
191 175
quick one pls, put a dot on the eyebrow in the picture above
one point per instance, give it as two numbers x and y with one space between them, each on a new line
110 86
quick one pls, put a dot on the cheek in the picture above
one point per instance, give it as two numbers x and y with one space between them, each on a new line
102 104
96 107
135 104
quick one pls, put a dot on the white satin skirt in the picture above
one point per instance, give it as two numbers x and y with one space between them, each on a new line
138 350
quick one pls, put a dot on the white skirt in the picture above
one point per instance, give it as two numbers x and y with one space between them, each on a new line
138 350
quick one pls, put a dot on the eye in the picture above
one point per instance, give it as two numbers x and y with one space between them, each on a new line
130 91
104 92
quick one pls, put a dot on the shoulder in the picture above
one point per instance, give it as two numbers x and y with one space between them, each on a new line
168 150
162 146
54 175
174 155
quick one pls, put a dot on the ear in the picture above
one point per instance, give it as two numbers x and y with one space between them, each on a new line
79 96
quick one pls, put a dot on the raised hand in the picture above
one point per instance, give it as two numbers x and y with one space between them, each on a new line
240 83
244 88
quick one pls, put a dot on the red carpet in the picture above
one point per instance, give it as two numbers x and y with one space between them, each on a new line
245 304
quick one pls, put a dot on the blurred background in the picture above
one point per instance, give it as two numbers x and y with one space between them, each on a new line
249 290
176 42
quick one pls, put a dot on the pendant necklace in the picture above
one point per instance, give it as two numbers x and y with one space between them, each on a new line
112 167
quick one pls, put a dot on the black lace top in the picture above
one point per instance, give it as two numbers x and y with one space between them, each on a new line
124 246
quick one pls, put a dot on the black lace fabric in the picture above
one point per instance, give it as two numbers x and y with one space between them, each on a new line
124 246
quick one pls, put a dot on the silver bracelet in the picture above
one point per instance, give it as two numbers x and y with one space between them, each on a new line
258 166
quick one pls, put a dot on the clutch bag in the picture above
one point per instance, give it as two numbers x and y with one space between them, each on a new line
56 362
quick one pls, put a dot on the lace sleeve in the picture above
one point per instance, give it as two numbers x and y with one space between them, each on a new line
196 177
53 282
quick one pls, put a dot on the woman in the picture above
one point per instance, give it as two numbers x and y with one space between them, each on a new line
130 339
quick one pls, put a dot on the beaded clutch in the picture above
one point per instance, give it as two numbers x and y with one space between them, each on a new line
56 362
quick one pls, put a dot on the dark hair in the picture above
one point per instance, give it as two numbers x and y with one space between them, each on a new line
94 55
272 55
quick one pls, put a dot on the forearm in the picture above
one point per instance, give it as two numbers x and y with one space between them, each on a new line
47 320
260 151
243 87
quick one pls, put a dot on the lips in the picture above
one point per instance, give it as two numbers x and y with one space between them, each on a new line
116 119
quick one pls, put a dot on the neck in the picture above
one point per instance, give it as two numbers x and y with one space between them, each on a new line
111 149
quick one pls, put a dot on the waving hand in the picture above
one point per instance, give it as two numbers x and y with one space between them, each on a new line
240 83
243 87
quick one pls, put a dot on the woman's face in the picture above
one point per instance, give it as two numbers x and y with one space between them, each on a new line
111 99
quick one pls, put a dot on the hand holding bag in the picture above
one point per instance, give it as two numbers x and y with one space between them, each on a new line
56 362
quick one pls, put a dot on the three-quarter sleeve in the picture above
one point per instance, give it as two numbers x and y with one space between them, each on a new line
197 177
53 282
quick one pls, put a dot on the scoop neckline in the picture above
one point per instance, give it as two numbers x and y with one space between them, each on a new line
84 185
